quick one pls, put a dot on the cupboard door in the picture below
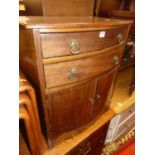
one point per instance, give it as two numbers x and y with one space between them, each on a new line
71 108
104 84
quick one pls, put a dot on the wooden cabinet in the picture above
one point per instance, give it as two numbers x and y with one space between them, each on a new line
72 63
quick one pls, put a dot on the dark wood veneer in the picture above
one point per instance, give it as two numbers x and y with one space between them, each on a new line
69 104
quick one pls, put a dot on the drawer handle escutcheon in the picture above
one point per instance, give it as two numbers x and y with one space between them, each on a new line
75 47
73 74
84 152
120 39
116 60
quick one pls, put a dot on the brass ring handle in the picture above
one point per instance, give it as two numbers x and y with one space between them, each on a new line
120 38
116 60
75 47
84 152
73 74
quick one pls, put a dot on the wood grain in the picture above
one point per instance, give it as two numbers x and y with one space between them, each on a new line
68 8
67 23
72 107
27 57
33 7
86 68
79 56
58 44
53 79
121 100
104 84
66 145
93 144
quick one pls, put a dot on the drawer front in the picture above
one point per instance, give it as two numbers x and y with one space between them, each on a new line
73 71
63 44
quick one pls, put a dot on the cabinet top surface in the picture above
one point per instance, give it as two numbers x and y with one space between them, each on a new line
69 22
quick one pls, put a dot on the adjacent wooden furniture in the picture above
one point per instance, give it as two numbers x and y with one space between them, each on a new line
29 130
103 7
21 8
123 105
28 112
59 8
23 148
93 144
121 9
72 63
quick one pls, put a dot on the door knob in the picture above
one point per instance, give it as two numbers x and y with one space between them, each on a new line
120 38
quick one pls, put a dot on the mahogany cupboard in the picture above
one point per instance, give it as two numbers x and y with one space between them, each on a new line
72 63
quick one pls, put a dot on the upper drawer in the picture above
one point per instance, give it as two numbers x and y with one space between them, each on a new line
62 44
81 69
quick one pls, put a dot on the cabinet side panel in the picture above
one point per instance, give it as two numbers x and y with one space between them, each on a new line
27 56
28 61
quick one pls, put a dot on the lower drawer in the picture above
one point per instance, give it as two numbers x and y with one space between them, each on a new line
81 69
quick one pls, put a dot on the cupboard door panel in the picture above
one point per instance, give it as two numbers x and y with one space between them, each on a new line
104 84
71 107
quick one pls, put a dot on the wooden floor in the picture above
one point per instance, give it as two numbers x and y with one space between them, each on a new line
121 99
121 96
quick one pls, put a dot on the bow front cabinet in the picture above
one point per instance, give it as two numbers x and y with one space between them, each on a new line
72 63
